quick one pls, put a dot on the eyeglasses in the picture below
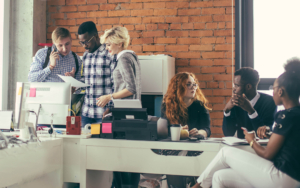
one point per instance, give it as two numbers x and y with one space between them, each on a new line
86 42
190 85
272 87
237 85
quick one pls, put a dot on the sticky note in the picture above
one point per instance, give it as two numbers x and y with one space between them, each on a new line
32 92
20 91
106 128
95 128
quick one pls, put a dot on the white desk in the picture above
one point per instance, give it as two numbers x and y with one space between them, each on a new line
137 156
71 156
90 162
32 165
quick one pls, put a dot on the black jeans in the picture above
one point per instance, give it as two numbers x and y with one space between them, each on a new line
180 181
125 180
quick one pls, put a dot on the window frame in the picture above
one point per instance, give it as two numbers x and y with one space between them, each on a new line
244 40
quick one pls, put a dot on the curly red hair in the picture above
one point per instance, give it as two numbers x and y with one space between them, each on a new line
176 109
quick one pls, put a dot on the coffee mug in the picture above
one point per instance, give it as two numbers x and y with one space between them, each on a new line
175 132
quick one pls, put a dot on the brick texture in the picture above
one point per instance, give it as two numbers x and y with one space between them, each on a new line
199 34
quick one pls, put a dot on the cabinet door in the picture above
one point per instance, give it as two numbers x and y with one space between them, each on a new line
151 71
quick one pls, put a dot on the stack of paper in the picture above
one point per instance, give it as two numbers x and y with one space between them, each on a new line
72 81
237 141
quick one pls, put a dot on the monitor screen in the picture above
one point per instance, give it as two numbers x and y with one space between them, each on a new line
53 99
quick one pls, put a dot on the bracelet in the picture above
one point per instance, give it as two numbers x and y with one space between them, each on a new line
51 66
251 143
111 97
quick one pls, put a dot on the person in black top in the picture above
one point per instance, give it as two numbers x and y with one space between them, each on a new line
247 107
277 164
185 104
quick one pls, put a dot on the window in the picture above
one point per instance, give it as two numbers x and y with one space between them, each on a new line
267 33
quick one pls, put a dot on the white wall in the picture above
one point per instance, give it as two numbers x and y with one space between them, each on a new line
27 29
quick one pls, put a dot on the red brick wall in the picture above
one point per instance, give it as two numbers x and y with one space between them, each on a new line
197 33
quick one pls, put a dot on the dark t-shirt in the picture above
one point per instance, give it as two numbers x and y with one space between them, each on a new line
198 116
287 124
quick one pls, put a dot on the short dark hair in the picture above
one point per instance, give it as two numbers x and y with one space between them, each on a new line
248 76
89 27
290 79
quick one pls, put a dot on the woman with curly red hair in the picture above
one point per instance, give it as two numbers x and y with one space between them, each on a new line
185 104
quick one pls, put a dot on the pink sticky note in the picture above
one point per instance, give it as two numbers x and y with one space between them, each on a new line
32 92
106 128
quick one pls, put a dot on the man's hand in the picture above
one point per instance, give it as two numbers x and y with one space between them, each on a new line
243 102
53 57
261 132
72 73
229 106
73 89
107 111
103 100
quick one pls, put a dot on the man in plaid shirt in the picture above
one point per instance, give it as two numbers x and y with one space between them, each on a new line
61 60
98 66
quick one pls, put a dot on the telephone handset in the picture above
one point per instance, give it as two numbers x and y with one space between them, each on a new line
55 49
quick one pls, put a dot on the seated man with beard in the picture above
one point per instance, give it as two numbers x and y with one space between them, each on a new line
247 107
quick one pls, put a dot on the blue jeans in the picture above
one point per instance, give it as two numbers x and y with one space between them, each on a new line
86 120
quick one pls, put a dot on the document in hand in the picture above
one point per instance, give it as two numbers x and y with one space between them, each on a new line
230 140
73 81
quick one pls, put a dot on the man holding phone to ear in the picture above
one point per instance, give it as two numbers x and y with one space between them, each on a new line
247 107
58 59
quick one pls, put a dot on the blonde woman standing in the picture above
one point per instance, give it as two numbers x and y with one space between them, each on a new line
127 73
127 85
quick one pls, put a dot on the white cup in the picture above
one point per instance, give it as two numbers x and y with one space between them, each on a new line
24 133
175 132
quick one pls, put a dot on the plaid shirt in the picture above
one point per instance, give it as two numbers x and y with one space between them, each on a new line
97 71
63 65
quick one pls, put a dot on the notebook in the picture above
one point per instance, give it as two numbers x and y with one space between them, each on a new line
230 140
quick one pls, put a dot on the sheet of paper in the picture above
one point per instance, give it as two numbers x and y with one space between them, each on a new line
237 141
72 81
127 103
5 119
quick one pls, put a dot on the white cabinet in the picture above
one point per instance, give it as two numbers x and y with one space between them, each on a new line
156 71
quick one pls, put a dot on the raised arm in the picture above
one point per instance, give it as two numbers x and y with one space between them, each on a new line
37 73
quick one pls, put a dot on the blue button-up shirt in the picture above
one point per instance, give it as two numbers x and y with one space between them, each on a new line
63 65
97 72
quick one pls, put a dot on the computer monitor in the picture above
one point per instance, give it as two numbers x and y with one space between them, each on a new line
51 98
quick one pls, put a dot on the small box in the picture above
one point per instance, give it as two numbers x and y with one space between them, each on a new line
73 125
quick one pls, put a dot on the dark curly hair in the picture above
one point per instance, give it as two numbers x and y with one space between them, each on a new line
290 79
248 76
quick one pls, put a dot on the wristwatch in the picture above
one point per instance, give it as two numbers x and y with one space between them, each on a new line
111 97
251 143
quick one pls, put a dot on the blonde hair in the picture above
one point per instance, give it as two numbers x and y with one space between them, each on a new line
116 35
60 33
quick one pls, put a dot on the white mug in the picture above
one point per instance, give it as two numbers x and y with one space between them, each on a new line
175 132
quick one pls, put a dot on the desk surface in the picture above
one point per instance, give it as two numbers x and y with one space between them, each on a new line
29 162
181 145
